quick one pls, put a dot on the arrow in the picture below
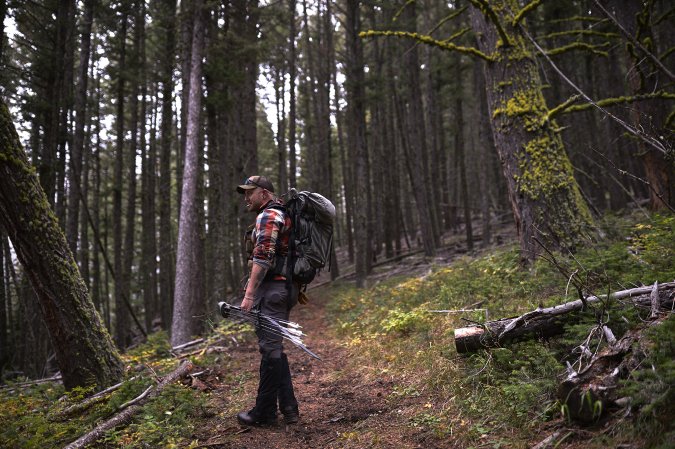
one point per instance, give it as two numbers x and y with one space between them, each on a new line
286 329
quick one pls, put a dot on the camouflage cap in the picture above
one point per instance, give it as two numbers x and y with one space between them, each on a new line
256 181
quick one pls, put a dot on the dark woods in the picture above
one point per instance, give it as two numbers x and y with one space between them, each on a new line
420 120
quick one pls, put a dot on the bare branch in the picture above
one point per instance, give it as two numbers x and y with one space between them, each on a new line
137 399
526 10
579 46
446 19
564 106
624 172
640 134
567 106
125 416
634 41
578 33
427 40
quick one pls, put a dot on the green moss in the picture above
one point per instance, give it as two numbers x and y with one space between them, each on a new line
528 104
579 46
545 168
428 40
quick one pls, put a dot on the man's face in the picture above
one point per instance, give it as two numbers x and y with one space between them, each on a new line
254 199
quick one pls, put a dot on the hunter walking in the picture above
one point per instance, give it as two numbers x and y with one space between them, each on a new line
269 292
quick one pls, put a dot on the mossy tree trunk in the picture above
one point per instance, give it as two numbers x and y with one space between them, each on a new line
84 350
544 195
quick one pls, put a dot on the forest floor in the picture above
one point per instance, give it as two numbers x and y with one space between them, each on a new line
336 400
390 376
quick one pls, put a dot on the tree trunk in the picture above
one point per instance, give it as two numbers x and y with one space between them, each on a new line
544 195
188 306
357 137
84 351
280 106
414 138
485 151
166 241
122 328
292 75
128 251
97 281
460 148
75 173
148 264
5 350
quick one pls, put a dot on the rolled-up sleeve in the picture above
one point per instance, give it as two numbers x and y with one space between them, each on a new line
268 228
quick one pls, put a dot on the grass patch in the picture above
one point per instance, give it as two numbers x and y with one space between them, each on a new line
507 393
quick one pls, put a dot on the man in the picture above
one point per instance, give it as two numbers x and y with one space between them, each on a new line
268 292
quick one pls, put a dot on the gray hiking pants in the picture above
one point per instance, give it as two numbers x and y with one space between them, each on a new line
275 302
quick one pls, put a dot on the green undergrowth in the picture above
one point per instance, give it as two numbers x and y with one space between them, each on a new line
402 330
36 417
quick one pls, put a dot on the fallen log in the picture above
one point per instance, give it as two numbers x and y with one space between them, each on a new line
546 322
126 415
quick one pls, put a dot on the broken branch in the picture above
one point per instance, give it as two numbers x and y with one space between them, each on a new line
546 322
126 415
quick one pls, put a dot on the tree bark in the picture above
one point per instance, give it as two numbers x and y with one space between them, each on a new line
544 195
188 306
411 116
148 154
84 351
355 80
4 299
122 328
128 250
292 114
76 155
460 148
166 240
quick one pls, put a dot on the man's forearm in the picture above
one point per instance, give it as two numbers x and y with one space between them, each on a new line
258 273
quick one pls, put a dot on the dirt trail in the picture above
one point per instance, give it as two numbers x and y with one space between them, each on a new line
338 408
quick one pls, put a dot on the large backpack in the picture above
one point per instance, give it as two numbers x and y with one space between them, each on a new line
311 240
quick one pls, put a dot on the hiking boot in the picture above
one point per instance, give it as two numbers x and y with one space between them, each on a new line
287 402
250 418
291 415
265 410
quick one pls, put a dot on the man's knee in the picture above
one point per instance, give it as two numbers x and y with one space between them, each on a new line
268 352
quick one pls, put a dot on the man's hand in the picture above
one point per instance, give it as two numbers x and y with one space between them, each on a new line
247 304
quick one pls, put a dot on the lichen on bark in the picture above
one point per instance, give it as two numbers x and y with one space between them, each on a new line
84 350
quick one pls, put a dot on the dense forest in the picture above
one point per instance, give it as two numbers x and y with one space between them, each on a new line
126 126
